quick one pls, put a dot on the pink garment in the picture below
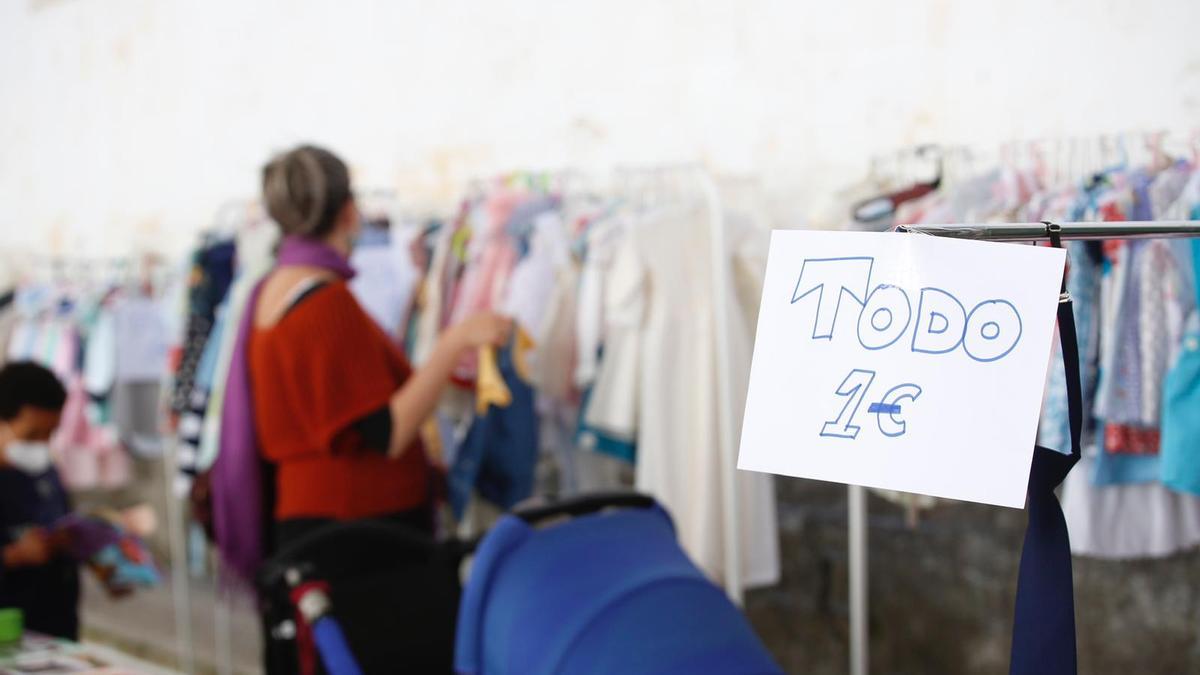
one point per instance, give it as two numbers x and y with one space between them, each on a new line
87 456
491 258
66 351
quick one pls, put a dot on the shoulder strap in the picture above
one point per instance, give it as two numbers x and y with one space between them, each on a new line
302 291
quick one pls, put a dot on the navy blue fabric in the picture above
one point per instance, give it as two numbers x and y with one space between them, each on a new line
212 275
610 592
216 263
48 594
499 454
1044 622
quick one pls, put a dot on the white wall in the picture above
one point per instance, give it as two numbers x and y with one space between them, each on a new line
126 123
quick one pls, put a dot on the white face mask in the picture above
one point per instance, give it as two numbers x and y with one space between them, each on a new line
32 457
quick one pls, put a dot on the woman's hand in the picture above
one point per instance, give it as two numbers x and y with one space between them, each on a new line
417 399
485 329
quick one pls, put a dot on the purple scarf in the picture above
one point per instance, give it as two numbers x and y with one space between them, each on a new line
237 504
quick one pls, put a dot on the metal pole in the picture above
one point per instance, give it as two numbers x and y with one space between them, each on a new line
179 573
222 630
856 495
1160 229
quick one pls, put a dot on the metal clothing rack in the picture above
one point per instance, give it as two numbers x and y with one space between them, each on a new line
1014 232
1136 229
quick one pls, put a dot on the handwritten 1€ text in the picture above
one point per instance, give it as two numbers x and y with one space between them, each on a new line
926 320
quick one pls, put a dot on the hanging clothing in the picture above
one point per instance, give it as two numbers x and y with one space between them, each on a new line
491 257
1130 521
1181 425
135 415
191 420
255 255
498 456
9 318
100 355
658 382
532 282
432 297
211 276
139 365
603 239
1116 521
141 340
554 357
88 456
385 280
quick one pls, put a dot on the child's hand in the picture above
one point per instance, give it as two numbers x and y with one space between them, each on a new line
6 435
32 549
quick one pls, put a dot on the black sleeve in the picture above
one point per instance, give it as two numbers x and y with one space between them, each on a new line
376 429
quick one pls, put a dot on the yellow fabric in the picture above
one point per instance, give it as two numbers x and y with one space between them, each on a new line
489 383
432 438
523 345
490 388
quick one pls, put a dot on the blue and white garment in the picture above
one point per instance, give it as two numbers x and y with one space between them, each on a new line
1083 283
1131 520
1180 429
498 458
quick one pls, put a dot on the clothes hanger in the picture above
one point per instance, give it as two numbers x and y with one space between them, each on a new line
883 207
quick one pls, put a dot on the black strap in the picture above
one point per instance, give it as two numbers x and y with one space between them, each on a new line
1044 620
583 505
304 295
1054 231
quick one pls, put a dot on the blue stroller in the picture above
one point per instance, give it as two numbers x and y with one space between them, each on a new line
593 585
597 585
368 596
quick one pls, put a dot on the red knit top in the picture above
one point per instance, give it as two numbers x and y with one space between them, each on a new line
321 368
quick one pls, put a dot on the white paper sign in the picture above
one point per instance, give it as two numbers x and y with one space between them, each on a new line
902 361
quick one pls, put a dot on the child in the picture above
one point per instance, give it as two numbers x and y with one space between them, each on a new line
35 574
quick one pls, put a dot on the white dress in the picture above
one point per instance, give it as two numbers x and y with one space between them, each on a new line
658 383
386 280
